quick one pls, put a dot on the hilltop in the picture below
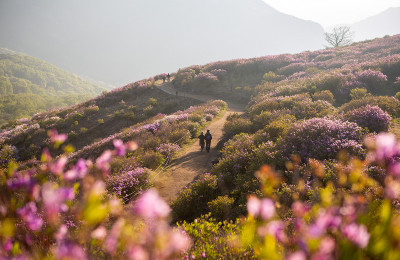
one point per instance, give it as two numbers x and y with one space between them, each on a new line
29 85
306 167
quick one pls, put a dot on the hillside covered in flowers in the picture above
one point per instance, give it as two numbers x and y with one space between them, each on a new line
308 171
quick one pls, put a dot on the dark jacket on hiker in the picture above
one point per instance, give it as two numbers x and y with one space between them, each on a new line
208 137
202 139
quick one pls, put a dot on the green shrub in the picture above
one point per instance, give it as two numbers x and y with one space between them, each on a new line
324 95
192 201
279 127
6 156
152 102
151 159
100 121
197 118
270 76
358 93
238 125
83 130
194 129
151 143
130 115
220 208
389 104
179 136
132 108
91 110
72 135
220 104
213 240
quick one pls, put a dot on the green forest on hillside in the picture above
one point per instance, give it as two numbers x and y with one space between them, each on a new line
29 85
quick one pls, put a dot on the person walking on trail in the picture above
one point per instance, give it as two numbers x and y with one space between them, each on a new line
202 140
208 137
168 77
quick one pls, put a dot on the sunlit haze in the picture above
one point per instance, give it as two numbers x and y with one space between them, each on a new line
333 12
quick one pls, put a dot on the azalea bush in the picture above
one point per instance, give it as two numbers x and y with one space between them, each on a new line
352 217
322 138
371 117
169 150
63 212
129 184
390 105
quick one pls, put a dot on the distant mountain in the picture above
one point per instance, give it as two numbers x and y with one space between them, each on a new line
121 41
29 85
385 23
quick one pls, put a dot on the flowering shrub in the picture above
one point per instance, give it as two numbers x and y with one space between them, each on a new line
128 185
168 150
62 212
321 138
209 117
301 106
372 79
205 80
236 156
7 155
371 117
354 217
390 105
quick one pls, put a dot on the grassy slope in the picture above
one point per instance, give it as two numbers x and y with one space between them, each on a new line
98 118
29 85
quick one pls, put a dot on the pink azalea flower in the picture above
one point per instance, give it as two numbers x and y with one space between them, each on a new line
57 138
29 214
179 241
69 250
151 206
119 147
386 146
299 255
58 167
253 206
103 162
267 209
358 234
138 253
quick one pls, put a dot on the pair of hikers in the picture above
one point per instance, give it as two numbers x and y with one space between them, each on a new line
166 77
205 139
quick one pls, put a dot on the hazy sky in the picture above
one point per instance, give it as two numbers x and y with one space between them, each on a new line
332 12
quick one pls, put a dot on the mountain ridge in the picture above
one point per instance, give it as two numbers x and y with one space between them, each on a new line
379 25
124 43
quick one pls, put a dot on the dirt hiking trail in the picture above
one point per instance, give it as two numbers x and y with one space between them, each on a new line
191 161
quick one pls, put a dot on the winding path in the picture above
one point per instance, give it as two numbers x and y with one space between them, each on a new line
192 162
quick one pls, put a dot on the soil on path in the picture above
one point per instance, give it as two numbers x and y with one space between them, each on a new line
192 162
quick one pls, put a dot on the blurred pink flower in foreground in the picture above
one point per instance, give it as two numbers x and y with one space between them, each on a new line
264 208
358 234
150 205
